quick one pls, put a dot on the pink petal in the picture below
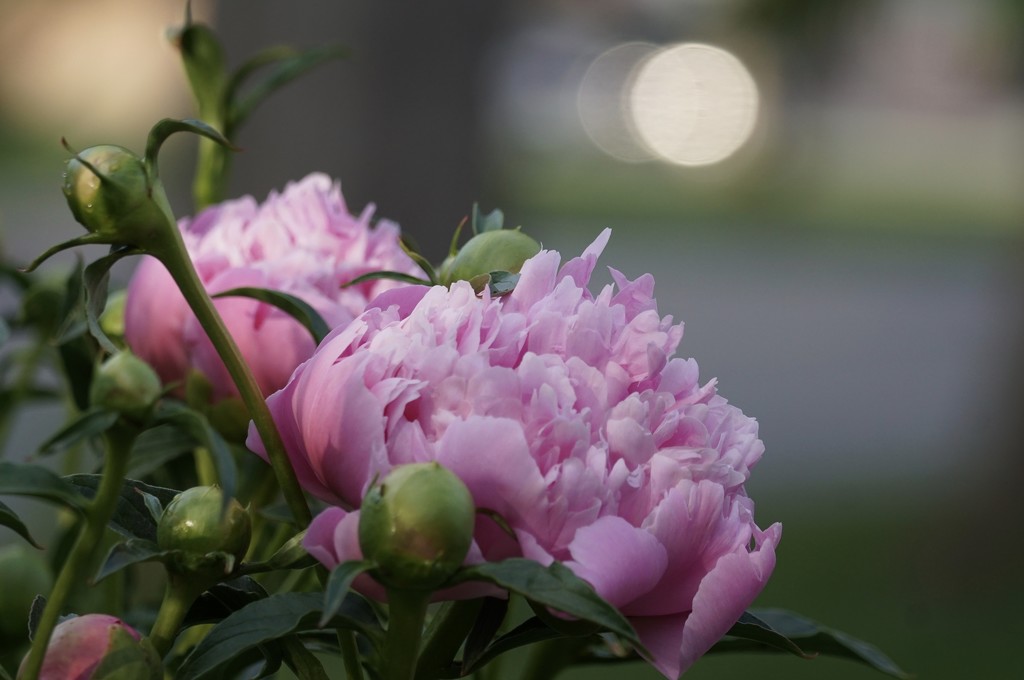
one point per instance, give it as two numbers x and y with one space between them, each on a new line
619 560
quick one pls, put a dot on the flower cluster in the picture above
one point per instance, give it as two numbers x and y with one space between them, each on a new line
302 241
564 413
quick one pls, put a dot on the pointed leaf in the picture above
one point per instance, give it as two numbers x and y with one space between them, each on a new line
87 239
168 126
223 599
203 59
487 624
256 624
78 361
287 69
750 627
35 612
96 278
394 276
73 305
156 447
492 221
132 517
23 479
294 307
554 586
529 632
301 661
338 585
502 283
127 553
10 519
291 555
87 425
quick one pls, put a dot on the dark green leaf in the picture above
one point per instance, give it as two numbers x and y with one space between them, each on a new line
288 67
809 636
156 447
394 276
23 479
10 519
289 304
34 614
87 425
502 283
127 553
256 624
96 278
554 586
338 585
291 555
223 599
529 632
87 239
749 627
132 517
72 309
492 221
198 427
301 660
488 622
78 359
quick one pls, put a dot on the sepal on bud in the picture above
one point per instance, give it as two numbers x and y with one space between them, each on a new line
417 526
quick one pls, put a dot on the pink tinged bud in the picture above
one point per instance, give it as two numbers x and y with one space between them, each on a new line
417 525
79 644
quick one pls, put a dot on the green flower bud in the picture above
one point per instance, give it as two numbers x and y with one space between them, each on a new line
500 250
23 575
417 525
112 318
210 540
121 202
126 384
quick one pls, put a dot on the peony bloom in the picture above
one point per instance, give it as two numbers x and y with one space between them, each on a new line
565 413
302 241
79 644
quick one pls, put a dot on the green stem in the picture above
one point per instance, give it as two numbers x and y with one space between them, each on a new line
178 597
81 560
407 610
212 165
175 258
445 635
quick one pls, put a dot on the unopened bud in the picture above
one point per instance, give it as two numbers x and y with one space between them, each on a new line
111 194
503 250
210 539
81 644
417 525
126 384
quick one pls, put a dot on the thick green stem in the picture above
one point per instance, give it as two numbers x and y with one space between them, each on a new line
175 257
178 597
407 610
81 560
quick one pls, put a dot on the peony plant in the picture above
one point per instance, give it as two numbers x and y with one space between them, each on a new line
502 461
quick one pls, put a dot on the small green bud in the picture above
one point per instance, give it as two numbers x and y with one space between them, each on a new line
417 525
126 384
121 202
112 318
491 251
210 539
23 575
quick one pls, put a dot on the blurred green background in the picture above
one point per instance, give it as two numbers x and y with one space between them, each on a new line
852 272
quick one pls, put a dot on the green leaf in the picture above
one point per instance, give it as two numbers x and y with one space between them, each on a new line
87 239
10 519
488 622
78 361
294 307
96 279
338 585
291 555
394 276
34 614
529 632
554 586
156 447
87 425
198 427
127 553
72 309
23 479
289 66
808 636
168 126
492 221
224 598
132 517
301 661
261 622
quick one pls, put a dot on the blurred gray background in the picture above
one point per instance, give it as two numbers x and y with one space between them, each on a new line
850 270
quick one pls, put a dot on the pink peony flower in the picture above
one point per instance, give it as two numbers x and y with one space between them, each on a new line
79 644
302 241
563 412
